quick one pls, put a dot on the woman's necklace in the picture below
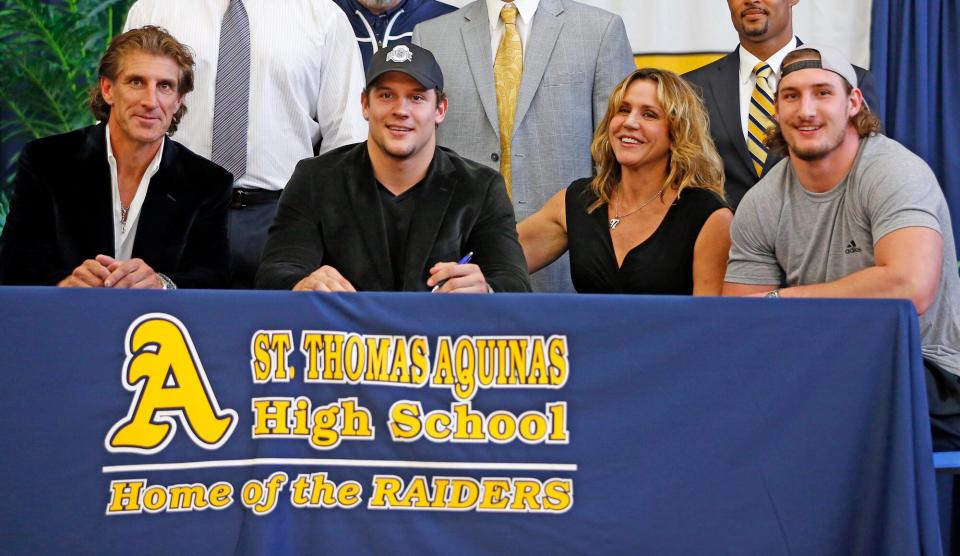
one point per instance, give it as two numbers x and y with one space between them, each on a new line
613 222
124 210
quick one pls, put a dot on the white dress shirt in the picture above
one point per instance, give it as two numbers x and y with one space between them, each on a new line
125 233
305 79
526 9
748 80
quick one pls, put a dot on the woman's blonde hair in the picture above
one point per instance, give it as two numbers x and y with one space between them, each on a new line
694 161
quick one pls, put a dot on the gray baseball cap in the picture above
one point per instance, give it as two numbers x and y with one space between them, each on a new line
831 59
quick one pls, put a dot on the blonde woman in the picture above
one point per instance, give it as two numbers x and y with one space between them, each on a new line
653 220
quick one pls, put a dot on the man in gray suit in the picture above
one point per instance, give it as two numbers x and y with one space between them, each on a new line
572 57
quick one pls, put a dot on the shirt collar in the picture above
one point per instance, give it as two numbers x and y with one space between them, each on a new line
112 160
526 8
748 61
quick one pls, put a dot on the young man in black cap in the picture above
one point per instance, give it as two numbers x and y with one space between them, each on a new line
396 212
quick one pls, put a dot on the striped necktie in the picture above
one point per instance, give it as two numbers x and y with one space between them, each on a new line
507 69
761 117
232 93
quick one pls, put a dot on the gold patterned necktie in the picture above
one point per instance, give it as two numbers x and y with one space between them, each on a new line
761 117
507 69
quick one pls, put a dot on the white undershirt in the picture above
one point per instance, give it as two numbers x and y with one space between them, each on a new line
748 80
524 22
124 235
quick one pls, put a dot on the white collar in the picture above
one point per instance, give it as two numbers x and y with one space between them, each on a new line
526 8
154 164
748 61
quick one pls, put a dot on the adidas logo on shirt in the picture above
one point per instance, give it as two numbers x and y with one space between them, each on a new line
852 248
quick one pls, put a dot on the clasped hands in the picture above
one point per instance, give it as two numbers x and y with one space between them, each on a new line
460 278
107 272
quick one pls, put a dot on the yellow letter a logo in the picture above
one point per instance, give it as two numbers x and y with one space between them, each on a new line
163 369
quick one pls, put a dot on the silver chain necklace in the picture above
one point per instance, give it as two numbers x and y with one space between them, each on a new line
124 210
613 222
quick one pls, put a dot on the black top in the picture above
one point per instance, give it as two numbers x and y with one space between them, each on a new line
662 264
61 213
330 213
397 212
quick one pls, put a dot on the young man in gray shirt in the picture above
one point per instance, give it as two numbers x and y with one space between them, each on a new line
851 213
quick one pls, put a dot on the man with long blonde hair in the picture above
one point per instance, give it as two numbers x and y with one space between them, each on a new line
734 89
851 213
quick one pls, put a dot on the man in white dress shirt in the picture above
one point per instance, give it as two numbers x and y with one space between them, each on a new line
304 75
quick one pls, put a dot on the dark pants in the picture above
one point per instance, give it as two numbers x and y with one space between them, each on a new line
943 398
248 234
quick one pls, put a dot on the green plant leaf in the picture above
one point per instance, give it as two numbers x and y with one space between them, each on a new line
49 52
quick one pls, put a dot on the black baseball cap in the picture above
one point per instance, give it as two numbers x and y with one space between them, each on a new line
410 59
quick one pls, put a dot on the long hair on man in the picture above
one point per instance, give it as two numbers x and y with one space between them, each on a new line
153 40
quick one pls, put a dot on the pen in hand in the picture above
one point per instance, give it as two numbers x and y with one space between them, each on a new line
463 260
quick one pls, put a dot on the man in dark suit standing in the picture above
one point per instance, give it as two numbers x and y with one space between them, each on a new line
119 204
396 212
735 90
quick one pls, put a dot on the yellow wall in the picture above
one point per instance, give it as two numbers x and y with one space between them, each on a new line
678 63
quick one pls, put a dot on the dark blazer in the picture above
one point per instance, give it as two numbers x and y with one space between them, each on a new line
62 213
719 84
330 214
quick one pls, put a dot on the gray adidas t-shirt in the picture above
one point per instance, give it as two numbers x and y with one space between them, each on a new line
783 234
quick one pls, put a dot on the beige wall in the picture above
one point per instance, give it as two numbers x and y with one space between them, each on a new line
703 26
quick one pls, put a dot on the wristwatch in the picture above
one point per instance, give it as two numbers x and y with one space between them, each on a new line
166 281
773 293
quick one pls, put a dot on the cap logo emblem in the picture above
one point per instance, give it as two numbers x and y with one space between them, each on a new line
400 53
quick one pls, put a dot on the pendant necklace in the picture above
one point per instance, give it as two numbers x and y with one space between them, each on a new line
613 222
123 217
